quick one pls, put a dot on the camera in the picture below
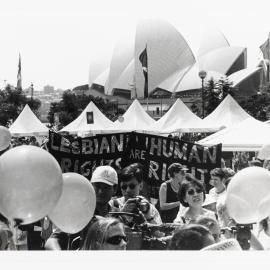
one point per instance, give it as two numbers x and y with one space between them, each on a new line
137 204
242 233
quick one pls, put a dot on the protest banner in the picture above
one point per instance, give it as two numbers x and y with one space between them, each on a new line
83 155
155 153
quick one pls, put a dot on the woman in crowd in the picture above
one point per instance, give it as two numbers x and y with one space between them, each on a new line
106 234
192 196
168 198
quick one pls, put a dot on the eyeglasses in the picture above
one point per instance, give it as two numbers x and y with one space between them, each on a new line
131 186
116 240
192 191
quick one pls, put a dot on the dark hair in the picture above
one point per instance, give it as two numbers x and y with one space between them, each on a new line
174 168
185 186
189 237
256 162
208 222
133 170
219 172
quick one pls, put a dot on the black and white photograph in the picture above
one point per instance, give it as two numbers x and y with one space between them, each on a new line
134 132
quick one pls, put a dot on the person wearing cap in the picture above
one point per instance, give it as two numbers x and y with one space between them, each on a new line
168 198
104 180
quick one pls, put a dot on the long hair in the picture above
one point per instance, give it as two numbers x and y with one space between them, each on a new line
97 233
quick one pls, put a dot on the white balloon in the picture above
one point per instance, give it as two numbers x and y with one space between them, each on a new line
248 196
30 183
76 205
5 138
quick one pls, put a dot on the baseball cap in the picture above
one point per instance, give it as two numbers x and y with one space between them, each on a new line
105 174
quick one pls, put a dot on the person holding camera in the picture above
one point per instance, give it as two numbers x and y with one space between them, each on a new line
168 198
131 183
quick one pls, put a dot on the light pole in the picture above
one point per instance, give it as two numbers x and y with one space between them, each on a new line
202 75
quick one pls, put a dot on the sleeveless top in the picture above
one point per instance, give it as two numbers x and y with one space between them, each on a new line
169 215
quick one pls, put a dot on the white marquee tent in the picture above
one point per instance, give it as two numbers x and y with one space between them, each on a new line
135 119
228 113
249 135
98 123
179 118
27 124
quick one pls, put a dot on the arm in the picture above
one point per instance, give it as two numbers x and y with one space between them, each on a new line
52 244
162 199
255 243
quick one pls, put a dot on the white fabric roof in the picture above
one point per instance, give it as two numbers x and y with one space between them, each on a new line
135 119
178 118
27 124
101 123
228 113
249 135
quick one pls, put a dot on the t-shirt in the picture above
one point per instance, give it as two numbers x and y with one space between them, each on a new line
182 217
215 195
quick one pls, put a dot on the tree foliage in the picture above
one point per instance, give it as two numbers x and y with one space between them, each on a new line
215 92
257 106
72 105
12 102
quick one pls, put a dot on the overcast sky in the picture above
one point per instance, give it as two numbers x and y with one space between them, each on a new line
60 39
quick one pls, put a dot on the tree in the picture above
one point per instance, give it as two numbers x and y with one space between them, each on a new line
215 92
257 106
12 102
72 105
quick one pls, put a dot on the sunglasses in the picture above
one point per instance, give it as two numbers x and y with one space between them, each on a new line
192 191
131 186
116 240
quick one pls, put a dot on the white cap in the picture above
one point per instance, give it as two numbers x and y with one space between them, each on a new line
226 245
105 174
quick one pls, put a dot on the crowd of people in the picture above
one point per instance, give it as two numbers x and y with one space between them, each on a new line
183 218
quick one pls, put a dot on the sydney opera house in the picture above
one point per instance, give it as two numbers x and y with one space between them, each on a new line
172 65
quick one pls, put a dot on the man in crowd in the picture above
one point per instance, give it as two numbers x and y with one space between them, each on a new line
131 183
218 177
104 180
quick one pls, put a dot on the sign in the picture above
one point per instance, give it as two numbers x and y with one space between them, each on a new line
83 155
90 117
155 153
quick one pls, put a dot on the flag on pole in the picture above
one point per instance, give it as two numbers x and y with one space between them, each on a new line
143 60
19 75
265 48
